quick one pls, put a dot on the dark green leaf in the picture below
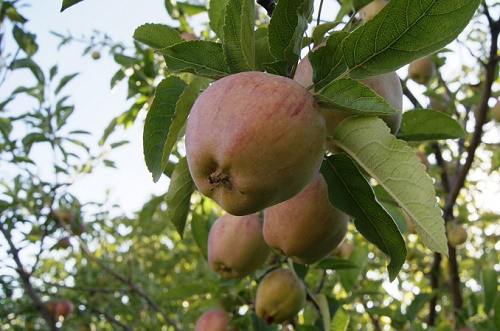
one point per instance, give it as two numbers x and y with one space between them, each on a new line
238 29
350 192
157 35
32 138
65 80
158 122
428 124
287 26
327 61
202 58
335 264
402 32
321 30
182 108
279 68
190 9
352 96
31 65
489 281
262 51
200 228
178 197
126 61
68 3
25 40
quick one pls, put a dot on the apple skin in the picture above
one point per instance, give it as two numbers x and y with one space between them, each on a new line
236 246
457 235
214 320
280 296
373 8
253 140
307 227
421 70
388 86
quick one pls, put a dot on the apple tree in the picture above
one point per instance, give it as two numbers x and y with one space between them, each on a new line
367 129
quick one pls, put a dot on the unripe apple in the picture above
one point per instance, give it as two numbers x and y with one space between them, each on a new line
457 235
373 8
495 111
280 296
253 140
63 308
421 70
96 55
387 86
307 227
214 320
236 246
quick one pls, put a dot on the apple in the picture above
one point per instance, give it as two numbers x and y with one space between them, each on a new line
421 70
64 308
307 227
253 140
373 8
214 320
236 246
280 296
457 235
387 86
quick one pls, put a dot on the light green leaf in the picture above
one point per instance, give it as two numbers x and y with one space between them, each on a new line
346 94
158 122
392 163
239 41
202 58
182 108
178 197
200 229
328 61
216 14
340 320
324 310
190 9
288 24
428 124
157 36
350 277
402 32
350 192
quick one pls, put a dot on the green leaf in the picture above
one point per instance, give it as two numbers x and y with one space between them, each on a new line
286 28
279 68
158 122
190 9
65 80
349 277
200 229
178 197
346 94
320 31
216 14
350 192
328 61
416 305
157 36
239 41
68 3
335 264
428 124
262 51
489 280
393 164
340 320
496 318
402 32
202 58
31 65
25 40
182 108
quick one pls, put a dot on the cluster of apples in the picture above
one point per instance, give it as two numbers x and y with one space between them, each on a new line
254 144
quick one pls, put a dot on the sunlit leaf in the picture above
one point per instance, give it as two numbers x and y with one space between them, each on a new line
428 124
157 35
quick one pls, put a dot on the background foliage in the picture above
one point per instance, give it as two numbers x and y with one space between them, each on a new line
137 272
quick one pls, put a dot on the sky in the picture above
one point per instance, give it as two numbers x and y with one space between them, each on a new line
96 104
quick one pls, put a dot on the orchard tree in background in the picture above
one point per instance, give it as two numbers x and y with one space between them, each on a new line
294 118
